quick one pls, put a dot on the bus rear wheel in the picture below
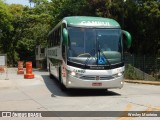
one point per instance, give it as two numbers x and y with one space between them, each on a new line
50 74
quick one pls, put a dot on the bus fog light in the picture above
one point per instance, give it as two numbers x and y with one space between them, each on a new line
69 82
122 83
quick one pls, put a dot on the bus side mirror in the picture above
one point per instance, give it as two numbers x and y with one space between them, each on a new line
65 36
128 38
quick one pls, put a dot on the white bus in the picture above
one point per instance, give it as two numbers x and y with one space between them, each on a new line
87 52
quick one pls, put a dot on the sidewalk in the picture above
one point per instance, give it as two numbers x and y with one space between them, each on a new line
143 82
11 79
19 94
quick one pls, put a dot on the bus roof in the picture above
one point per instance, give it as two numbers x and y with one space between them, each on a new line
86 21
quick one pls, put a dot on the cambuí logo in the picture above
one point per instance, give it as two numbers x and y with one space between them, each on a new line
95 23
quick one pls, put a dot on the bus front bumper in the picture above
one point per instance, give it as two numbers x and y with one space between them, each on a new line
73 82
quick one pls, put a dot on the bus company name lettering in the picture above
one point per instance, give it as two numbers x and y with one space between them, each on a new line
95 23
79 71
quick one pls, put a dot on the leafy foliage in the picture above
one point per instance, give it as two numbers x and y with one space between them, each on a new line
25 27
130 73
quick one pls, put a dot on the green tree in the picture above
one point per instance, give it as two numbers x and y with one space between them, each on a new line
6 26
64 8
16 34
143 21
103 8
25 27
5 18
36 26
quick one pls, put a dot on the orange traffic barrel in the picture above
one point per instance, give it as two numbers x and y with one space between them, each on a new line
2 69
29 74
20 68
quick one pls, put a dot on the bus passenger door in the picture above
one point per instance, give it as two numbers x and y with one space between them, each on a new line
63 67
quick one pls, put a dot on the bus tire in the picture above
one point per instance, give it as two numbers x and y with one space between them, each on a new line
63 88
50 74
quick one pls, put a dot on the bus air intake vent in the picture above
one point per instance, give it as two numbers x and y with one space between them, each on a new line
94 77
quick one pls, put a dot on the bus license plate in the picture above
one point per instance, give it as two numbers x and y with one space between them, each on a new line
96 84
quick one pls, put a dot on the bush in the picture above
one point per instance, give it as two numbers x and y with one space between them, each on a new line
130 72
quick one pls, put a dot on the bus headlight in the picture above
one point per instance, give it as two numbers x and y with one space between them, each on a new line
118 75
72 73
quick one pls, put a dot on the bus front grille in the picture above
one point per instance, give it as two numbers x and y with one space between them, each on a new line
95 77
87 77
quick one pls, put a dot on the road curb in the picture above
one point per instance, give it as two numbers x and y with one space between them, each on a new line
143 82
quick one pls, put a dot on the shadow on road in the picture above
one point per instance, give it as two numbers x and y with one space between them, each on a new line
54 87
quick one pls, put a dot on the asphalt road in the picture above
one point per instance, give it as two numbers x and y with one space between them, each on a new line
44 94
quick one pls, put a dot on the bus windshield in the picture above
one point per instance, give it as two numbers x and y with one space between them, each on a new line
87 45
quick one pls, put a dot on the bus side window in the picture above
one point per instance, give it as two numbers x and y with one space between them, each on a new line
53 40
56 38
63 46
59 36
63 52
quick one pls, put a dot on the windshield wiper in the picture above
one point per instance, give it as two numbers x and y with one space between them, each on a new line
98 54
